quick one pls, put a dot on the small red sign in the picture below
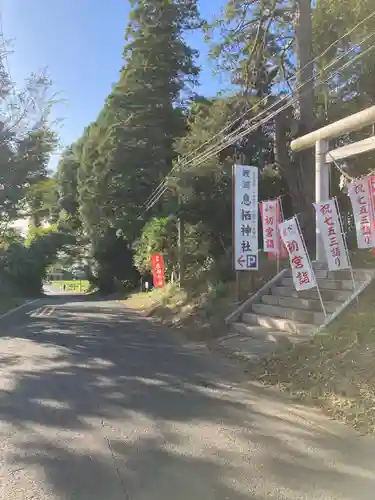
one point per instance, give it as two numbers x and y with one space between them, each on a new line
157 264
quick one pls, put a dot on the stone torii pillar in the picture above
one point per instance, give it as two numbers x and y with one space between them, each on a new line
323 157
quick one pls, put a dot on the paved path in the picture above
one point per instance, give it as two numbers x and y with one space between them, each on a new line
96 404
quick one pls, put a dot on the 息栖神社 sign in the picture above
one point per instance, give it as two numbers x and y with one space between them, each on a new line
245 217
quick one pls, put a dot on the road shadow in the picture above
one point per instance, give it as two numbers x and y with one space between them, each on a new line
111 406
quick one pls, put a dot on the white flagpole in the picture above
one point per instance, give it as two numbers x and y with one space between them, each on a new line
312 269
281 207
372 209
345 243
278 211
277 263
279 242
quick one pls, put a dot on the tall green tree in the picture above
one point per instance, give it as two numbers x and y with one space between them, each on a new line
67 188
27 140
205 187
130 147
340 26
262 43
141 118
41 202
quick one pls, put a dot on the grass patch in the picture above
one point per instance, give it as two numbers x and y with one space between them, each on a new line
202 306
336 370
200 313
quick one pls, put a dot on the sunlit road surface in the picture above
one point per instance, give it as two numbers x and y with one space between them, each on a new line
99 404
57 290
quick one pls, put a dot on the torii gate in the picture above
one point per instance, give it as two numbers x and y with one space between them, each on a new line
324 157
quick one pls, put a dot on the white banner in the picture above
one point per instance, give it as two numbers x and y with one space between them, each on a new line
330 231
245 217
302 271
359 193
270 220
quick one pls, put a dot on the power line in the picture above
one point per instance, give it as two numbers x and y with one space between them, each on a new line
230 139
264 100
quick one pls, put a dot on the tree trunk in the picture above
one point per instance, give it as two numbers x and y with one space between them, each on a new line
299 169
305 66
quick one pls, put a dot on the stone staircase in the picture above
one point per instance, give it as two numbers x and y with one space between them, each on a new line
278 315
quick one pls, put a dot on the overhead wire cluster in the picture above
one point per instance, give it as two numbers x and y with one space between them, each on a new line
264 116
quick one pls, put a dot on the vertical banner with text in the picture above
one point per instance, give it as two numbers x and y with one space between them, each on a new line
371 183
269 212
281 252
245 217
302 271
359 193
157 265
331 233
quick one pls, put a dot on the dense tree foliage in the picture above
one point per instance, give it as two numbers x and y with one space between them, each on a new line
23 267
153 121
129 148
27 140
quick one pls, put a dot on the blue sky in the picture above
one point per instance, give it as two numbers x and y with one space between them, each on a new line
80 42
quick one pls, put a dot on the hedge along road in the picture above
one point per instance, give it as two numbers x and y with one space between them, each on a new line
98 403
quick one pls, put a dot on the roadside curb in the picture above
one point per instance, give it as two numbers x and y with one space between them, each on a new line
15 309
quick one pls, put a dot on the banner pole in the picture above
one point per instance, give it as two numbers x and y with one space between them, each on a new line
345 244
281 207
372 205
312 269
280 242
278 239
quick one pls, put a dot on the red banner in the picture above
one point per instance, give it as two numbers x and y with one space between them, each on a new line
157 264
282 248
281 252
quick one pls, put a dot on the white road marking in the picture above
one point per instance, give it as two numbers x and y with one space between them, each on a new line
15 309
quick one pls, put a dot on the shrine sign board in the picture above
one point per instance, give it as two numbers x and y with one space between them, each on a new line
245 218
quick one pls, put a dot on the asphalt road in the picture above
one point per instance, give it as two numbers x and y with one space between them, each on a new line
99 404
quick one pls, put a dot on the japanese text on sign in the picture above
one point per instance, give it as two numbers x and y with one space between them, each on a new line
270 220
359 193
157 264
281 252
302 272
372 204
330 230
245 217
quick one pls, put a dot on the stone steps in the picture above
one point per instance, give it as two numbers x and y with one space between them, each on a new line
310 317
343 274
276 322
267 334
281 316
327 295
300 303
325 284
